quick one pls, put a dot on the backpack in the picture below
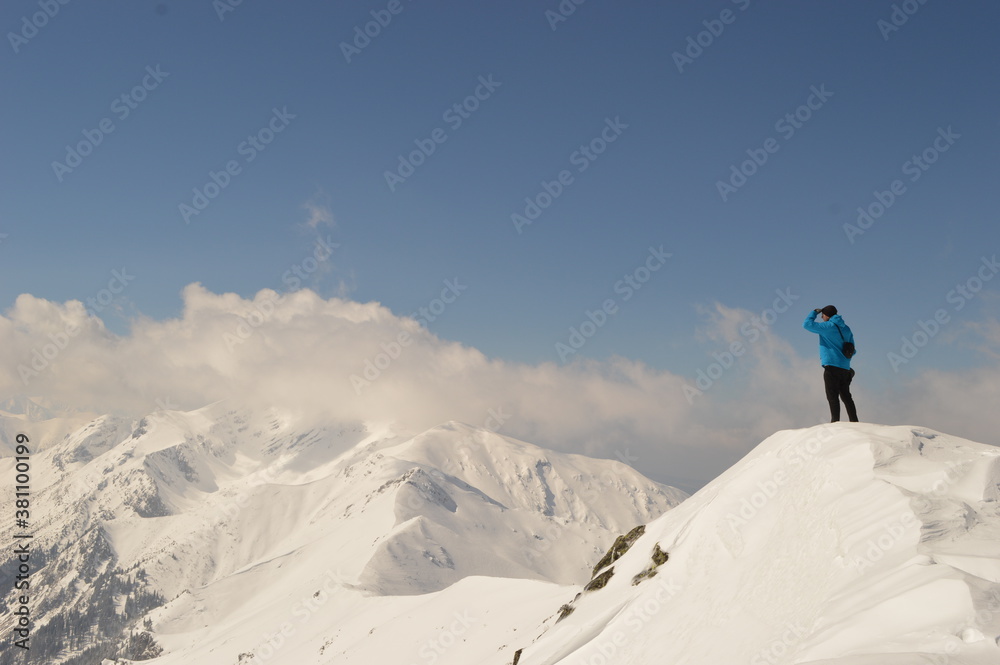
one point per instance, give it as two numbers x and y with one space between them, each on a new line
848 348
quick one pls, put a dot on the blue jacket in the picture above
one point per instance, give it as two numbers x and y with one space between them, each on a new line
830 342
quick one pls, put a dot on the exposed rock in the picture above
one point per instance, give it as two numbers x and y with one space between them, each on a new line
564 612
600 581
659 558
620 546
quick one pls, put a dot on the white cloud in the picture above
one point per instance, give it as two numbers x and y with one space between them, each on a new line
318 215
298 352
324 250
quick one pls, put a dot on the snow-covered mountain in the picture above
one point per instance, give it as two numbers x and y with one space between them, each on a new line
843 544
222 537
206 534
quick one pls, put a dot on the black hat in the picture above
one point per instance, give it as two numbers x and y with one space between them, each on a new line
829 310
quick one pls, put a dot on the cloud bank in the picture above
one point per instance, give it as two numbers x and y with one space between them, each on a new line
329 360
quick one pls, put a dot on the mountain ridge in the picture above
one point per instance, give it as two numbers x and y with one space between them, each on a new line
224 536
179 505
838 544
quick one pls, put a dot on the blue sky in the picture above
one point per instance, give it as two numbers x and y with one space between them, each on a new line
888 95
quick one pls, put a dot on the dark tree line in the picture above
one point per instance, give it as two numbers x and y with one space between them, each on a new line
97 615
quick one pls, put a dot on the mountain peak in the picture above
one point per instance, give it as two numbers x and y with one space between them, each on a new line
841 544
870 541
190 505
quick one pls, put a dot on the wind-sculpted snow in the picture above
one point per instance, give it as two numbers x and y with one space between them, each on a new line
843 544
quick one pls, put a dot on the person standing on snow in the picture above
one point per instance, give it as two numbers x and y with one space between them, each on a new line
834 335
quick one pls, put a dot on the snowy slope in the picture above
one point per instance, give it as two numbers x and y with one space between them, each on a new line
843 544
530 513
236 523
245 538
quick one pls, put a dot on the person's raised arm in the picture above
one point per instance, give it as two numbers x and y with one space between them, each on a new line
810 322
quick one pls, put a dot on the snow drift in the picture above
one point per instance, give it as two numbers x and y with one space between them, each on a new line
842 544
227 537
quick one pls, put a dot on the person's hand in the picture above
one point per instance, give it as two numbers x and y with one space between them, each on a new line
817 310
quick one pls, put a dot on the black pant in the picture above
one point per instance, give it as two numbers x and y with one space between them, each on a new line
838 387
